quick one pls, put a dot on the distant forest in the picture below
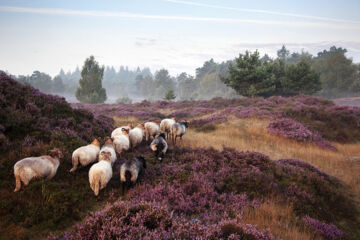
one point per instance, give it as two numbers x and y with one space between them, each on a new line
339 77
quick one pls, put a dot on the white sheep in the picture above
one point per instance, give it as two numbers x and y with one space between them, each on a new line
178 130
119 131
159 146
131 170
121 142
100 173
85 155
165 126
36 167
108 147
151 130
136 135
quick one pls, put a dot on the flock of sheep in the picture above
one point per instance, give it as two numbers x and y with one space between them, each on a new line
100 173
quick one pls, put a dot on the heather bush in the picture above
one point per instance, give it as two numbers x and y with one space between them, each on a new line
334 123
288 128
146 220
328 231
32 123
206 191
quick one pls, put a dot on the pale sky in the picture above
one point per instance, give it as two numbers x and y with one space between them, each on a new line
47 35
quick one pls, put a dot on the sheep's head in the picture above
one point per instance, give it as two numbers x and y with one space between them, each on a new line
108 141
157 122
141 126
106 156
125 131
56 153
185 123
131 126
95 142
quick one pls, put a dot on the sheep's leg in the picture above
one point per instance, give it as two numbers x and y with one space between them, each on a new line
75 162
17 183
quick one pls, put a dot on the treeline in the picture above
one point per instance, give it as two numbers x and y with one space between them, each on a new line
330 74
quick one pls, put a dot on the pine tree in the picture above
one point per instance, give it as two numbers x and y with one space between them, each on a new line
169 95
90 89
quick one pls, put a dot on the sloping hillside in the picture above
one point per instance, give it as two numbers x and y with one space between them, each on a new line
31 123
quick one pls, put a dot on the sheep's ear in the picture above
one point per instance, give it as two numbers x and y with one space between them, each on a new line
55 153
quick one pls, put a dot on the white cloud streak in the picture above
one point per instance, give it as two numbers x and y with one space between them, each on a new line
265 12
59 11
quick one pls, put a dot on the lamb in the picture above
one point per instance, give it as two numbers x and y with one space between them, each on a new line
151 130
122 142
36 167
165 126
118 131
136 135
159 146
85 155
101 172
131 170
108 147
178 130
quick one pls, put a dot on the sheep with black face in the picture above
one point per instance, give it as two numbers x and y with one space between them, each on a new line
159 146
131 169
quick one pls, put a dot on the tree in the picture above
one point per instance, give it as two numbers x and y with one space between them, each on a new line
41 81
250 76
58 85
248 71
301 79
163 82
90 89
283 53
338 73
170 95
187 86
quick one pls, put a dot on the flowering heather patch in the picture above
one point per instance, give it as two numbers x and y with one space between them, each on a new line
146 220
47 118
288 128
139 110
334 123
202 193
32 123
329 231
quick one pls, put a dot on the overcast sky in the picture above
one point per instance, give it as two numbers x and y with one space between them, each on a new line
177 35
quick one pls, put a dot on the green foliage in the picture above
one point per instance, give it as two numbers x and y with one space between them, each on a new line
90 89
252 76
170 95
339 76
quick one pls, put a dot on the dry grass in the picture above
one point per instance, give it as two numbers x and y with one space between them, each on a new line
121 121
251 135
280 219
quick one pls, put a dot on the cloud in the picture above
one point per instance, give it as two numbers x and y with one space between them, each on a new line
265 12
59 11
